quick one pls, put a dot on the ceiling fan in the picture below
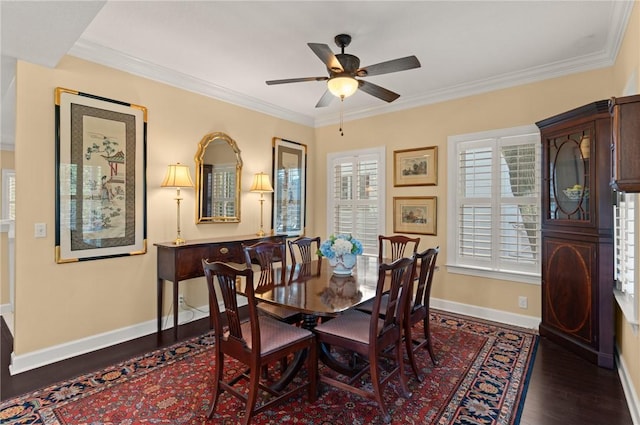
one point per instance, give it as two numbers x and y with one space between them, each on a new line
344 68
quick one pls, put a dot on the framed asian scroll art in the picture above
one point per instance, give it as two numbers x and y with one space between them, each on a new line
289 187
100 177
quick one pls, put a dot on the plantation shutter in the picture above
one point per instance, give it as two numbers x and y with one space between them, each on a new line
355 198
624 236
498 214
9 194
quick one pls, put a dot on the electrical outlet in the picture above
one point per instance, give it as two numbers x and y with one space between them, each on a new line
181 300
522 302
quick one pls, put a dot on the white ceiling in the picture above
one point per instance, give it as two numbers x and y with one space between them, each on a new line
228 50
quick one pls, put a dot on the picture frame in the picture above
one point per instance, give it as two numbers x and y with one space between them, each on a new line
415 167
415 215
100 175
289 165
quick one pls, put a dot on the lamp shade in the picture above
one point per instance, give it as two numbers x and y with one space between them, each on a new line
342 86
177 176
261 183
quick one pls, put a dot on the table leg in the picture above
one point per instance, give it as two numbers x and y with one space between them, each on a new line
175 311
160 291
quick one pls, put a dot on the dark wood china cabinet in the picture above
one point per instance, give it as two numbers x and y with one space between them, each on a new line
625 145
577 232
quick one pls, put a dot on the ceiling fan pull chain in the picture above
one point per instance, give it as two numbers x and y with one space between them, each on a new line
341 114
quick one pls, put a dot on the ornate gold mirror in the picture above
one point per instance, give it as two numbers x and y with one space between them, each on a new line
218 171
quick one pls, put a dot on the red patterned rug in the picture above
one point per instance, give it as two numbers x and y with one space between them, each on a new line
481 378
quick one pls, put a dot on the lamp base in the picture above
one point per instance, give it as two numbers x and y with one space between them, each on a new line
179 241
260 233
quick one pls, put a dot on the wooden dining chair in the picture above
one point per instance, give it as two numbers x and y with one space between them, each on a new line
304 249
418 310
390 248
265 254
303 252
256 343
373 336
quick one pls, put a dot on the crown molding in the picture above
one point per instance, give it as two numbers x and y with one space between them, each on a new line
601 59
97 53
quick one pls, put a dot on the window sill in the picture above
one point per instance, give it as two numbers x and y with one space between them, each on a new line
531 279
628 305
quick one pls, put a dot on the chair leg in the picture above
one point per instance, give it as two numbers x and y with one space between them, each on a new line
217 377
427 336
377 390
403 378
410 353
252 397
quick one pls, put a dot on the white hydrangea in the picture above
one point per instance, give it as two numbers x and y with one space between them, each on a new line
341 247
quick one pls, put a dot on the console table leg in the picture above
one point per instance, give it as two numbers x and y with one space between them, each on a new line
160 290
175 311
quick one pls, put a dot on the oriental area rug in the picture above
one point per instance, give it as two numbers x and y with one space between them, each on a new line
481 378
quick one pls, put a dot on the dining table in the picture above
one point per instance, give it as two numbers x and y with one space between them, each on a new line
319 294
316 292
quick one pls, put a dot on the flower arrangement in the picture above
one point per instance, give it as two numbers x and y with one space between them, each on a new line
337 246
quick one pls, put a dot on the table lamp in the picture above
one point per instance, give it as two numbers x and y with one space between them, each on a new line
261 185
177 176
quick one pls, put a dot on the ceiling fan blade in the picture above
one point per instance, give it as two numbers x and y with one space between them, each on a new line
394 65
296 80
325 100
326 56
377 91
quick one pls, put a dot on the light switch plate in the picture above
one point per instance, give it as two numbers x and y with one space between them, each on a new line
40 230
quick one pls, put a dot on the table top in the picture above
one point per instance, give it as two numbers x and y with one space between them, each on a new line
324 293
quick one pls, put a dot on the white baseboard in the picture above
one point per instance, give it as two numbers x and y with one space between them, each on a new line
514 319
629 389
24 362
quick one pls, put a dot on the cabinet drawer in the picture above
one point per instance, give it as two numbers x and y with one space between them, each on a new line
227 252
189 262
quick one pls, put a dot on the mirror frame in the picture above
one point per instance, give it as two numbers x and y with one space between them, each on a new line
199 159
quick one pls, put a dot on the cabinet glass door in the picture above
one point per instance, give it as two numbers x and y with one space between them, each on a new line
569 163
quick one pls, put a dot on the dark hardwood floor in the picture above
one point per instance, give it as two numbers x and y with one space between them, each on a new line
564 389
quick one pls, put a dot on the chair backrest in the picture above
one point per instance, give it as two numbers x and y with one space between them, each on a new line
396 247
304 249
426 260
399 289
303 252
266 254
227 277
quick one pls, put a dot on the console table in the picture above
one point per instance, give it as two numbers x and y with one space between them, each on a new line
181 262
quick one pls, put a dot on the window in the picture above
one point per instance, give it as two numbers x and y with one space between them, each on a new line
8 194
493 225
355 193
625 222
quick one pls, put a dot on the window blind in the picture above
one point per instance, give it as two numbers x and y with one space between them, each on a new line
355 197
497 191
624 241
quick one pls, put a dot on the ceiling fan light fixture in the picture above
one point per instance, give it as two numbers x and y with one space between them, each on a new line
342 86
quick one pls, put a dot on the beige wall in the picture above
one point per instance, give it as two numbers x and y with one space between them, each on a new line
430 126
6 162
627 67
57 303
